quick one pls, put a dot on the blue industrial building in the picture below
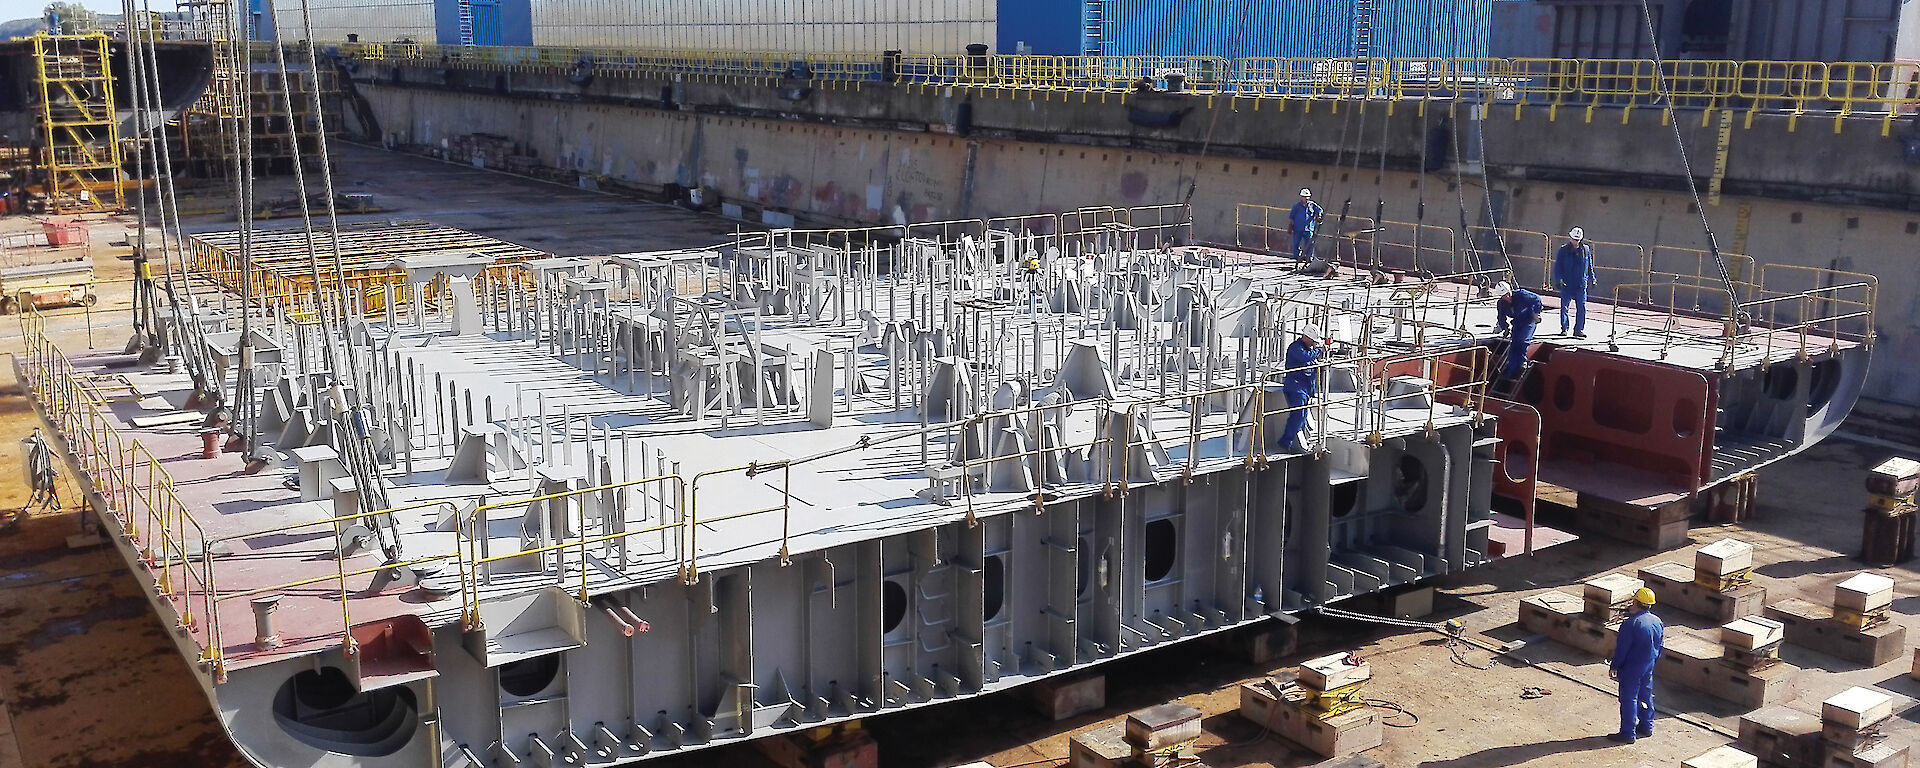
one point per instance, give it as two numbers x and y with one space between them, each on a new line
1247 28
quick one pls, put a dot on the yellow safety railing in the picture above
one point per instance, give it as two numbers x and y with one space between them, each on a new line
1842 88
125 483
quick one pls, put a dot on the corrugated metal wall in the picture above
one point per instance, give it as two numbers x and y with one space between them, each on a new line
1295 28
827 26
375 21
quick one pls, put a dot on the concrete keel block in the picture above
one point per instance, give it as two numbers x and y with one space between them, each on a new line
1813 627
1343 734
1262 643
1878 756
1723 757
1068 696
1102 747
1693 662
1673 584
1783 737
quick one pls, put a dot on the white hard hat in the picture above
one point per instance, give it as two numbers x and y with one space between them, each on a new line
1304 192
1502 289
1312 334
1577 233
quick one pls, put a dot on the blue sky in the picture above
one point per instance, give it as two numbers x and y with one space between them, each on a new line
22 9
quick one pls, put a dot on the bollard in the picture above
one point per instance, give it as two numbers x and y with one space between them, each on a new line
265 637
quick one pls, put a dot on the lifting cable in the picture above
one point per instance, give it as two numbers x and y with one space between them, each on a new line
246 399
1206 142
1664 96
356 444
1380 197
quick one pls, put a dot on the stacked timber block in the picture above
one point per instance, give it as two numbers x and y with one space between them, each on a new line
1783 736
1320 706
1855 627
1850 728
1660 527
1752 642
1719 586
1732 501
1887 526
1729 670
846 745
1723 757
1155 737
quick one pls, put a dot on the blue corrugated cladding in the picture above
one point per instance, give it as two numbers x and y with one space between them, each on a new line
1294 28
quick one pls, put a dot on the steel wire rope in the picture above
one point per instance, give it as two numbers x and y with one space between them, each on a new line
1213 120
140 63
355 447
1664 96
246 397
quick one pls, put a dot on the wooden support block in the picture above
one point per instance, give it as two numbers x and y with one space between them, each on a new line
1856 708
1658 528
1415 603
1723 557
1887 534
1782 736
1864 593
1350 761
1750 633
1814 628
1342 734
1878 756
1261 643
1332 671
1693 662
1915 671
1673 584
1839 738
1061 698
1894 477
1162 725
1102 747
1733 500
1723 757
1607 597
848 749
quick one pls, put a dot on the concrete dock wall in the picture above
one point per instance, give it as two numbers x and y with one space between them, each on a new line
1797 191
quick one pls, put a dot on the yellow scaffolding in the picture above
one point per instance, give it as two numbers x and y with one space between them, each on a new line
80 153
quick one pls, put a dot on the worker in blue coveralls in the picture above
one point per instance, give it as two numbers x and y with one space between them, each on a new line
1573 274
1641 637
1520 310
1303 359
1304 221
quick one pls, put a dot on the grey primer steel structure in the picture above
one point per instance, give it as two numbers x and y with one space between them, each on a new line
646 503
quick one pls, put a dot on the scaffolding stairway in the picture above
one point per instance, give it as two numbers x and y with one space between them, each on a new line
1093 42
79 131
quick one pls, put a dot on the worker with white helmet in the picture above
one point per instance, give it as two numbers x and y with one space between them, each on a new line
1637 645
1303 373
1573 275
1519 311
1304 221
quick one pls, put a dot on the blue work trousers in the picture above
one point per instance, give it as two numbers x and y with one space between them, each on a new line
1303 246
1517 350
1297 397
1636 702
1577 297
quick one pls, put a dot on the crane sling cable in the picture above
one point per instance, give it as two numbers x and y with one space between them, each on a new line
355 443
1206 142
236 122
143 70
1737 316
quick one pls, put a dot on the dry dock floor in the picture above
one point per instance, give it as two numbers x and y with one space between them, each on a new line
88 678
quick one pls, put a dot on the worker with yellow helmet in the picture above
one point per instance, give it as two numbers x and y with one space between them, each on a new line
1638 646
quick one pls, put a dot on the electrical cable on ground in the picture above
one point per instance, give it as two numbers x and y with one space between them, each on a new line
1498 653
